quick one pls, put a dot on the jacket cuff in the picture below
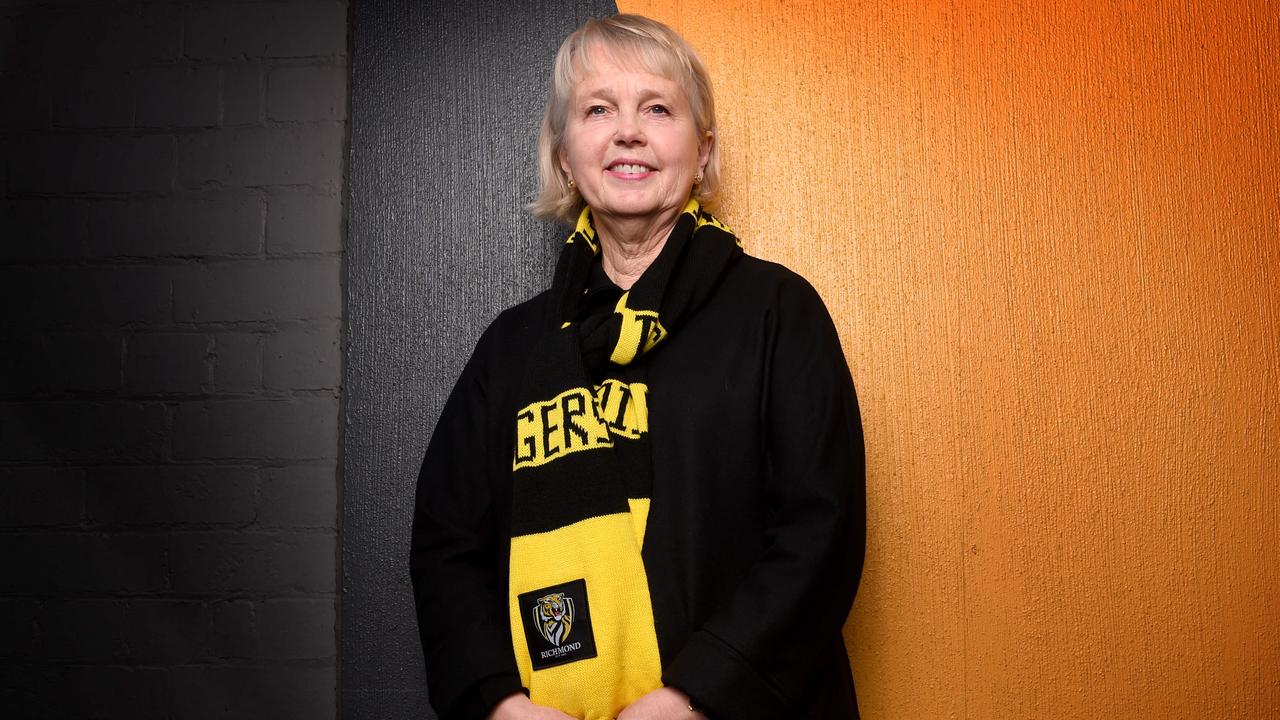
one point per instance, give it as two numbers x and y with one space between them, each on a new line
720 681
477 701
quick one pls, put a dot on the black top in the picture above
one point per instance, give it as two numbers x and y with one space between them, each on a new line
756 527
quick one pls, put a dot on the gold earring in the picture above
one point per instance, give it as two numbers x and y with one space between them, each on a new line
698 179
571 185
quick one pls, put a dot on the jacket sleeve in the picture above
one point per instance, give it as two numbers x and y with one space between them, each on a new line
456 557
756 657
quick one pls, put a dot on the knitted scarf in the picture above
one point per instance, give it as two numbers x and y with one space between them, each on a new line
581 620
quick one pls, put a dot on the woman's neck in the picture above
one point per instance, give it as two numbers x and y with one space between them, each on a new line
629 245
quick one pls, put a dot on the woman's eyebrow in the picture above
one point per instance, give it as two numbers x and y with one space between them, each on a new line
607 93
601 91
652 93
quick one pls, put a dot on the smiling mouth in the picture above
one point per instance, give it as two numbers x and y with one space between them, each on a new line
629 169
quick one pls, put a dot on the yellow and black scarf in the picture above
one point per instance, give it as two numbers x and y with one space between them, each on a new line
582 623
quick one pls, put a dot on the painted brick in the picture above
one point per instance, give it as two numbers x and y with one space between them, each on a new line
50 692
207 224
24 687
111 37
83 562
285 429
307 93
299 496
82 431
141 35
177 97
168 363
301 222
19 630
84 296
82 630
218 563
60 363
130 37
41 497
234 634
96 693
242 95
87 98
303 358
37 228
204 30
284 289
28 101
263 156
170 495
8 42
237 362
167 631
297 629
110 328
91 163
232 693
97 88
268 30
22 33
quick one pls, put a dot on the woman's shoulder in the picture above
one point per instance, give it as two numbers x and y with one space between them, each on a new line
772 284
522 319
512 333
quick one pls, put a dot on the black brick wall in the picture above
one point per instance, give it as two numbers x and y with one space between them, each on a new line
171 258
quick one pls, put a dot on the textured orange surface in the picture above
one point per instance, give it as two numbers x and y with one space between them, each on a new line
1050 236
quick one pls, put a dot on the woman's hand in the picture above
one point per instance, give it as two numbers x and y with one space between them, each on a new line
517 706
666 703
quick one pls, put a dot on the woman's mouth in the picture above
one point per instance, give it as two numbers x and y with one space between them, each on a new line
629 170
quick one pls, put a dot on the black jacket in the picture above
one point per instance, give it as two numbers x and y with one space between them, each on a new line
756 530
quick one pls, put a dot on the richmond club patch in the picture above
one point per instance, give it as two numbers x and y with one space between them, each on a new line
557 624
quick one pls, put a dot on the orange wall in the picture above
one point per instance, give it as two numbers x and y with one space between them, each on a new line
1050 235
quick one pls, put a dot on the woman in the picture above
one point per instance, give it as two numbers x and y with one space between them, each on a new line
644 496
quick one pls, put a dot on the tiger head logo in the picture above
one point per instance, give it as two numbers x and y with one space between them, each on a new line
553 615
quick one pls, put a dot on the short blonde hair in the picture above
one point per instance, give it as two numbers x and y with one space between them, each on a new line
630 41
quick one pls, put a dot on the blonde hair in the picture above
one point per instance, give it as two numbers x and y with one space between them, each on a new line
630 41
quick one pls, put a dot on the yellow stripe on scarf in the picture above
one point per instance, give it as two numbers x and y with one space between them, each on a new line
585 230
606 551
640 332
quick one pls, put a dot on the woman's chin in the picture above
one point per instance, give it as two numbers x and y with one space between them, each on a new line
634 208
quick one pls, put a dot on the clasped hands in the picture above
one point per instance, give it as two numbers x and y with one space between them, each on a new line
665 703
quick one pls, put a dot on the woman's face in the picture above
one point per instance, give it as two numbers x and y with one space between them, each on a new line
631 143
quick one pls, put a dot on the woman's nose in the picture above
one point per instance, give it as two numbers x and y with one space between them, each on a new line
627 131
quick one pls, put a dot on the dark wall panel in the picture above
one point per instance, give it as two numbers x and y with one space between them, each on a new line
446 101
171 251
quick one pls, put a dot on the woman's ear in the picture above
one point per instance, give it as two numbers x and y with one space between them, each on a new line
564 161
704 149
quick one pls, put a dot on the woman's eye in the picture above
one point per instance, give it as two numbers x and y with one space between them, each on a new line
659 109
596 110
